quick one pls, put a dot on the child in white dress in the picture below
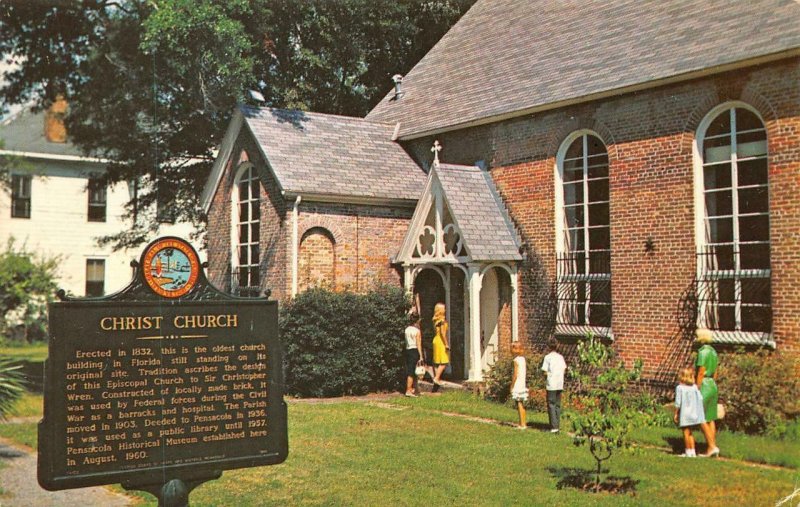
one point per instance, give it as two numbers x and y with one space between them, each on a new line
688 409
519 386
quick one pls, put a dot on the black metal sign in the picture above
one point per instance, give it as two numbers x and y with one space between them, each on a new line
166 383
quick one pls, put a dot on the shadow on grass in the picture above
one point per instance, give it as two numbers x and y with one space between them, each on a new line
539 426
677 445
584 480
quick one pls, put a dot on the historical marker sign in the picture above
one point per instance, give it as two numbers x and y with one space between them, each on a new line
167 379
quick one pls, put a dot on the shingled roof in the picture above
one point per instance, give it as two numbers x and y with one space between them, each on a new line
24 133
479 213
508 57
316 153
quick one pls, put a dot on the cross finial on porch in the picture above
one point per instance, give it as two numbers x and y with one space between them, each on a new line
436 149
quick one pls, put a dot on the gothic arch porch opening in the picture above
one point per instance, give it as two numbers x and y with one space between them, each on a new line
495 315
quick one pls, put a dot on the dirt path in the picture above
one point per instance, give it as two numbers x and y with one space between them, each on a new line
20 488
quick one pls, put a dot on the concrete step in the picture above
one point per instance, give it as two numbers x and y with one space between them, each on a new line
426 386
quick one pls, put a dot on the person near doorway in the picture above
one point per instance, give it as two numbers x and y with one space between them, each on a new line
441 344
554 366
413 354
519 384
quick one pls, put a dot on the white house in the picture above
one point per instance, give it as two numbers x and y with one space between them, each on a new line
56 208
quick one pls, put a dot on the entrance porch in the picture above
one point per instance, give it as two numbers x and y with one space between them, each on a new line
461 250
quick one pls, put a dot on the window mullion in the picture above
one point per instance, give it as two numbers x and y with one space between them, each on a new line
585 182
737 290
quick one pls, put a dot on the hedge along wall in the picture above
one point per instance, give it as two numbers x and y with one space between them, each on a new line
342 343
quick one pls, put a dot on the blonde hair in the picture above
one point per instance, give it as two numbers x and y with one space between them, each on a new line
439 313
703 336
686 376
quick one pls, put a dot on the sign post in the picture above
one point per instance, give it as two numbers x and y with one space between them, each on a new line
163 385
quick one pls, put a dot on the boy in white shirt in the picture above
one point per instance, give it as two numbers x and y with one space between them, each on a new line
555 366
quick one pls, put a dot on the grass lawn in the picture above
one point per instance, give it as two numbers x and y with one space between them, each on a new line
36 353
408 452
30 405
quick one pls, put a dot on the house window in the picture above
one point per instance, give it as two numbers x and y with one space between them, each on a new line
584 236
245 276
97 200
20 196
95 277
733 267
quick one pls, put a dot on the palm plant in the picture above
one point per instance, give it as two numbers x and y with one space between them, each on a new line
12 385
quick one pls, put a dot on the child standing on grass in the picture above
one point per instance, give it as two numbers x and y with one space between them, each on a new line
519 387
688 409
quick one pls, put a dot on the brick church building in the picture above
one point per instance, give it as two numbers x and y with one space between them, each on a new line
627 169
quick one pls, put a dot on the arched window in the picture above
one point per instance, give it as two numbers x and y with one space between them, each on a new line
245 222
583 242
732 215
316 264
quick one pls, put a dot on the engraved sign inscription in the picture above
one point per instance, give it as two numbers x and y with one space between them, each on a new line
137 388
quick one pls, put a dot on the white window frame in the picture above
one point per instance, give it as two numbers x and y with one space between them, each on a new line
736 336
560 229
236 201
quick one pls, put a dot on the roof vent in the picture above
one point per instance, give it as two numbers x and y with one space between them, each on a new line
398 81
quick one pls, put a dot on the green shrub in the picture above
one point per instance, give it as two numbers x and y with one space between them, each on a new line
761 392
341 343
27 284
607 417
651 409
498 381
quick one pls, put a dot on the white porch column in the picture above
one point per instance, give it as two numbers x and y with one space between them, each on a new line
408 278
474 338
295 245
447 292
467 320
514 304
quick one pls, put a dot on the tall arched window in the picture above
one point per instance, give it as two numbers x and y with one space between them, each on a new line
583 243
732 215
246 221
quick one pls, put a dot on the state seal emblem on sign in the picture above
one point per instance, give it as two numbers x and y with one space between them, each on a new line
170 267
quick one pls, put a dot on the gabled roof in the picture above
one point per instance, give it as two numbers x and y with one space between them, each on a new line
510 57
479 216
479 213
325 155
23 134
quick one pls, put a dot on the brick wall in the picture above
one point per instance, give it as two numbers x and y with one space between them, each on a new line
649 136
347 245
317 261
273 244
364 239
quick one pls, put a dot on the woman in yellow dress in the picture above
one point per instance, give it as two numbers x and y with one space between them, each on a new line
441 343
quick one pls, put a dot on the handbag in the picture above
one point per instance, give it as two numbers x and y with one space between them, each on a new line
448 370
419 371
720 411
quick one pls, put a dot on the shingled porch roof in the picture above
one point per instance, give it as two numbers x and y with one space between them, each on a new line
476 209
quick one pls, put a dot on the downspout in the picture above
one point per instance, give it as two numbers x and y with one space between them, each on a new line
295 245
